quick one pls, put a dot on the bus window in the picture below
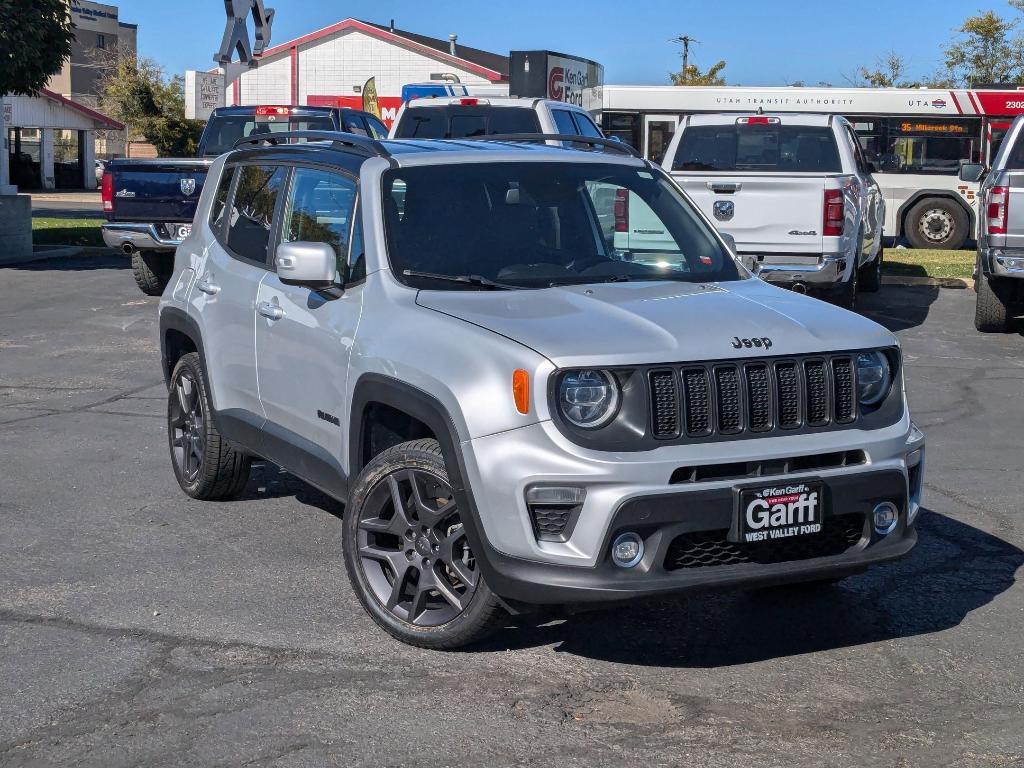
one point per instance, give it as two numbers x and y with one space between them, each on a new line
929 146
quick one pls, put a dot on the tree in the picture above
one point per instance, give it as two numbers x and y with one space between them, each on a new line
889 72
693 76
152 106
35 40
985 52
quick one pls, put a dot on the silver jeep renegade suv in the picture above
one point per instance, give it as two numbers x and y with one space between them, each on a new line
444 335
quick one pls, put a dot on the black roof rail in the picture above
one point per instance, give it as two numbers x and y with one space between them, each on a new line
595 141
338 139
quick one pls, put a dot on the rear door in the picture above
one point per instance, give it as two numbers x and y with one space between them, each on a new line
761 182
224 297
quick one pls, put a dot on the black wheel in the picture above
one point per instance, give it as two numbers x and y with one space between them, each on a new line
407 554
151 271
991 310
206 465
869 277
937 223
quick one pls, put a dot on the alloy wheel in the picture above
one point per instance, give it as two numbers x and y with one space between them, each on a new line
413 550
187 423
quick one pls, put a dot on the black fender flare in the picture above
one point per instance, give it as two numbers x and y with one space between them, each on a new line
421 405
921 194
175 319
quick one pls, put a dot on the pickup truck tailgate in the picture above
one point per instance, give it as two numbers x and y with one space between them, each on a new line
763 212
157 190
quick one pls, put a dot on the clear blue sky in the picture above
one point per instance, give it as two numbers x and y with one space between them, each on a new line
765 42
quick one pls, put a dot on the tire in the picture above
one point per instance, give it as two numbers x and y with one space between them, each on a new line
407 555
869 277
937 222
991 310
846 294
206 466
151 270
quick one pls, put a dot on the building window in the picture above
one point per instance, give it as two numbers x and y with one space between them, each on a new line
101 42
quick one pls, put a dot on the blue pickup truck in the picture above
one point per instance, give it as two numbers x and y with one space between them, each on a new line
149 204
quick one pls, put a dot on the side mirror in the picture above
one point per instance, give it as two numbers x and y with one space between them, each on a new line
729 241
311 265
971 171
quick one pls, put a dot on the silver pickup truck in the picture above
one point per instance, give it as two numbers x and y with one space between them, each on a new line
1000 267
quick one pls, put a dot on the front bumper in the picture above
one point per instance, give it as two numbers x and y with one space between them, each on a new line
631 492
138 237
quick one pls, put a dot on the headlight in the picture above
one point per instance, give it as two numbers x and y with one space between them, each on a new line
874 377
588 399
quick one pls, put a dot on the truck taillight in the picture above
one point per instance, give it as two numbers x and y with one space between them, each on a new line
997 207
834 216
622 210
107 191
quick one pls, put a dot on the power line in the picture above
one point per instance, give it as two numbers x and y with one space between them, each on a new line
685 41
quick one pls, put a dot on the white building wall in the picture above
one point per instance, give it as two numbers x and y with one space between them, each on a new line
332 66
269 83
41 112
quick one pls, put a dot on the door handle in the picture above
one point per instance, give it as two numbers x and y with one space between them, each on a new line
206 285
269 310
724 187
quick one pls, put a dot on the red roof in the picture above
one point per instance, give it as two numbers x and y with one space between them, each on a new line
398 38
82 109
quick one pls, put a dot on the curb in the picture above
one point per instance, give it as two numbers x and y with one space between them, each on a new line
958 283
44 252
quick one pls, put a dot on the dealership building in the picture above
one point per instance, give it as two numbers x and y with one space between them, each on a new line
330 67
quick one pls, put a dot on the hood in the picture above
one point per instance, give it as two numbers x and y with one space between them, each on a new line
609 324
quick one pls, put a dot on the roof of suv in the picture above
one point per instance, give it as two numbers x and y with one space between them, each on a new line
414 152
790 118
528 102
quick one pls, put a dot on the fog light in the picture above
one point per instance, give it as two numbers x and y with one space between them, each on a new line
886 517
627 550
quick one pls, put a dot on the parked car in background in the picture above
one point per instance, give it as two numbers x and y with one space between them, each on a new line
433 89
793 190
1000 268
515 413
470 116
149 204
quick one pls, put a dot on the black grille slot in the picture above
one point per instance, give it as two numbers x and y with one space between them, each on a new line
818 410
788 384
697 402
727 400
843 390
706 549
759 397
665 402
742 470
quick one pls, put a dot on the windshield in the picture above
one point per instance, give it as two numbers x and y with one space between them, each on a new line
534 225
223 132
773 148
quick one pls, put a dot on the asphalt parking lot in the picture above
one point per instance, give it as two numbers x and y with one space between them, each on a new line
139 627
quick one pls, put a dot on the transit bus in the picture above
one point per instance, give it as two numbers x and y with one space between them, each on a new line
916 138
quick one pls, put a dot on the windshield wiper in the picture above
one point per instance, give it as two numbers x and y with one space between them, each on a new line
479 280
589 279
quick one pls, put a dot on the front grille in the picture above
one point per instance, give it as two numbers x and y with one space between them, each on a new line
706 549
756 396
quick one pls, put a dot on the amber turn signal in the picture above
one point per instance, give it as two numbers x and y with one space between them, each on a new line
521 390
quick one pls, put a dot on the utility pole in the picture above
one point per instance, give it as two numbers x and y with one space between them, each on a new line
685 41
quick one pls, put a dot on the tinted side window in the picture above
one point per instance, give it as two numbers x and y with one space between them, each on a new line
586 126
220 201
564 122
319 210
353 124
252 210
377 129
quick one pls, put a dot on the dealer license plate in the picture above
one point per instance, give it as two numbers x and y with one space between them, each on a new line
779 511
184 230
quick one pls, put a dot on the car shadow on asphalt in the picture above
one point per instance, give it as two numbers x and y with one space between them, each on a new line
955 570
269 481
899 307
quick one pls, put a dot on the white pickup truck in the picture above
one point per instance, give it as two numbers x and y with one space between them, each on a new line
793 191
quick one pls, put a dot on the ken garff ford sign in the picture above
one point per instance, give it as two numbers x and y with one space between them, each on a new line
557 76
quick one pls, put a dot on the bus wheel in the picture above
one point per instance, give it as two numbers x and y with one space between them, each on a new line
937 223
